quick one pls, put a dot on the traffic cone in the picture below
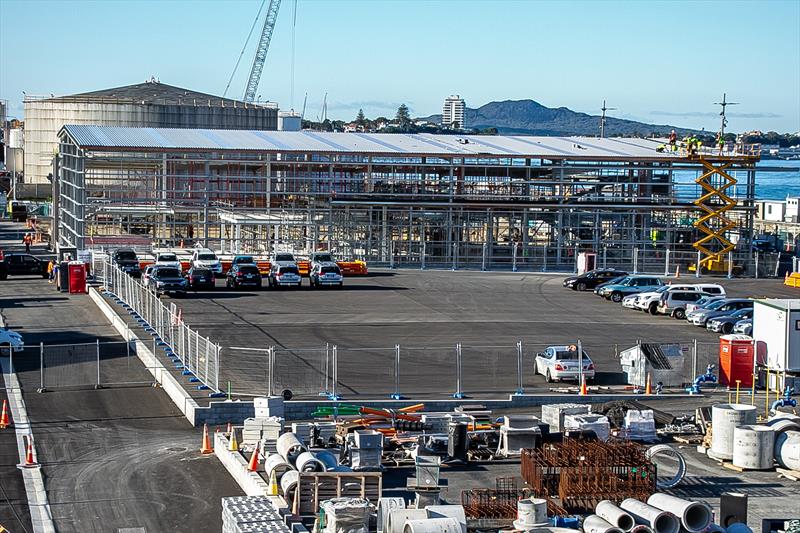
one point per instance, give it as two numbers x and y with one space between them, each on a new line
253 465
233 446
647 388
584 390
677 272
29 460
273 483
206 447
4 422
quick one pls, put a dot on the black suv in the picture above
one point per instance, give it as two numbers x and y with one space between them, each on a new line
165 280
593 278
126 260
242 275
200 278
22 264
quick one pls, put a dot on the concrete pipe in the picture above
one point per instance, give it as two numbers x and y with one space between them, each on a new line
289 485
328 459
787 450
641 528
781 424
694 516
398 517
276 463
384 506
611 513
531 512
452 511
595 524
754 447
307 462
725 417
432 525
664 450
661 521
289 447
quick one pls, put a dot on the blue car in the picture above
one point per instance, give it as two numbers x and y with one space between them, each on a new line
629 285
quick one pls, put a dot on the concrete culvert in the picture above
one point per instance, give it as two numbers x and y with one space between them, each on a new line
641 528
276 463
596 524
432 525
694 516
787 450
614 515
661 521
289 447
307 462
666 458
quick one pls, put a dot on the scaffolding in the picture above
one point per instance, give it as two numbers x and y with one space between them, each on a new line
406 200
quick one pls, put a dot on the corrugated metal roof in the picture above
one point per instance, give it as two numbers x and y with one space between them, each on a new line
366 143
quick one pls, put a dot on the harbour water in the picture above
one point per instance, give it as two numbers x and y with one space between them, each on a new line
769 185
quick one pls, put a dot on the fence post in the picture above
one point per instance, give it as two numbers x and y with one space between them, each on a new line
730 265
694 362
666 262
205 372
327 388
605 256
97 385
483 257
514 256
270 356
41 366
697 265
520 391
335 355
635 260
396 394
391 254
216 370
422 256
757 256
455 257
459 393
580 366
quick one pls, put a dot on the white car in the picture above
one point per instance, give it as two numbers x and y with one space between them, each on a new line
326 274
148 271
702 302
168 259
319 258
648 301
558 363
630 301
12 339
205 258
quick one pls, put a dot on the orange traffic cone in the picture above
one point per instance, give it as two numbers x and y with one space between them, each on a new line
29 460
4 423
253 465
206 447
647 388
677 272
584 390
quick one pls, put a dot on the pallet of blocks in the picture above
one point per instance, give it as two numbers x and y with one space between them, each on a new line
251 514
313 488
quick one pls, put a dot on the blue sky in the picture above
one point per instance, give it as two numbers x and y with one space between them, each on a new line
661 62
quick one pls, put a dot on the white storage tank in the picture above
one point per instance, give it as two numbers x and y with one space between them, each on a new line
753 447
725 418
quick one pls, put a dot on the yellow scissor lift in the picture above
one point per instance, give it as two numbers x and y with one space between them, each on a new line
714 246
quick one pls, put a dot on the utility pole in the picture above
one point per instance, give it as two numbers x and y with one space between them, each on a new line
724 121
603 118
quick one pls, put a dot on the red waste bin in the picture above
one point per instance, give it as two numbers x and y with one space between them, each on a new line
736 355
77 277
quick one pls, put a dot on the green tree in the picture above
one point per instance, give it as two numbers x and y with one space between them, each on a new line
403 117
361 120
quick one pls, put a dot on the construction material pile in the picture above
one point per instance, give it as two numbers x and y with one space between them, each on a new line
251 514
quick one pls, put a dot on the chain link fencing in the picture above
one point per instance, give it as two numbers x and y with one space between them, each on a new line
196 353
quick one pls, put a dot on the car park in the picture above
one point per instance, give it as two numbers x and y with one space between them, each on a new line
673 303
609 282
206 259
629 285
702 302
284 275
243 275
323 274
726 306
127 260
200 278
593 278
22 264
168 259
167 280
725 324
11 339
744 327
649 301
559 363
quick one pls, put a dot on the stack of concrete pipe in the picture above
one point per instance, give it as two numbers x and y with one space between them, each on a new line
787 440
662 514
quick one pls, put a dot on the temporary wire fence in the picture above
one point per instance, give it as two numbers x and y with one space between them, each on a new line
197 354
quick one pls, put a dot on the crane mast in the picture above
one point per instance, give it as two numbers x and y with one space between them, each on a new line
261 51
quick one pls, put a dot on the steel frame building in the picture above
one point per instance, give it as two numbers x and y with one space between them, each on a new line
395 199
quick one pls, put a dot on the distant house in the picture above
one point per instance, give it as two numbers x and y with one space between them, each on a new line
771 210
792 206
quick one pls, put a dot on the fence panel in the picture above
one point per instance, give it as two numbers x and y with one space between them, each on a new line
303 371
120 366
365 371
69 366
429 371
489 369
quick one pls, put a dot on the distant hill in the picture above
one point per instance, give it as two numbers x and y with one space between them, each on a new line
527 117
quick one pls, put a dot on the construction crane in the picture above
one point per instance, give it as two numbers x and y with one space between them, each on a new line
261 51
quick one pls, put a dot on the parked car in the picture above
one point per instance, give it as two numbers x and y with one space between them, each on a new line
558 363
724 324
284 275
283 258
326 274
168 259
744 327
207 259
321 257
167 280
148 271
630 285
609 282
126 259
673 303
200 278
593 278
630 301
21 264
726 306
648 301
243 260
243 275
702 302
713 289
10 339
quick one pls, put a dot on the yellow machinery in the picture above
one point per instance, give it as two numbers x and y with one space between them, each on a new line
713 224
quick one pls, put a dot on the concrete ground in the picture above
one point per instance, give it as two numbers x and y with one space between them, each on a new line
14 513
427 313
119 457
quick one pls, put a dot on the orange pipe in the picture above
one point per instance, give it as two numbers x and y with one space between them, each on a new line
387 414
412 408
